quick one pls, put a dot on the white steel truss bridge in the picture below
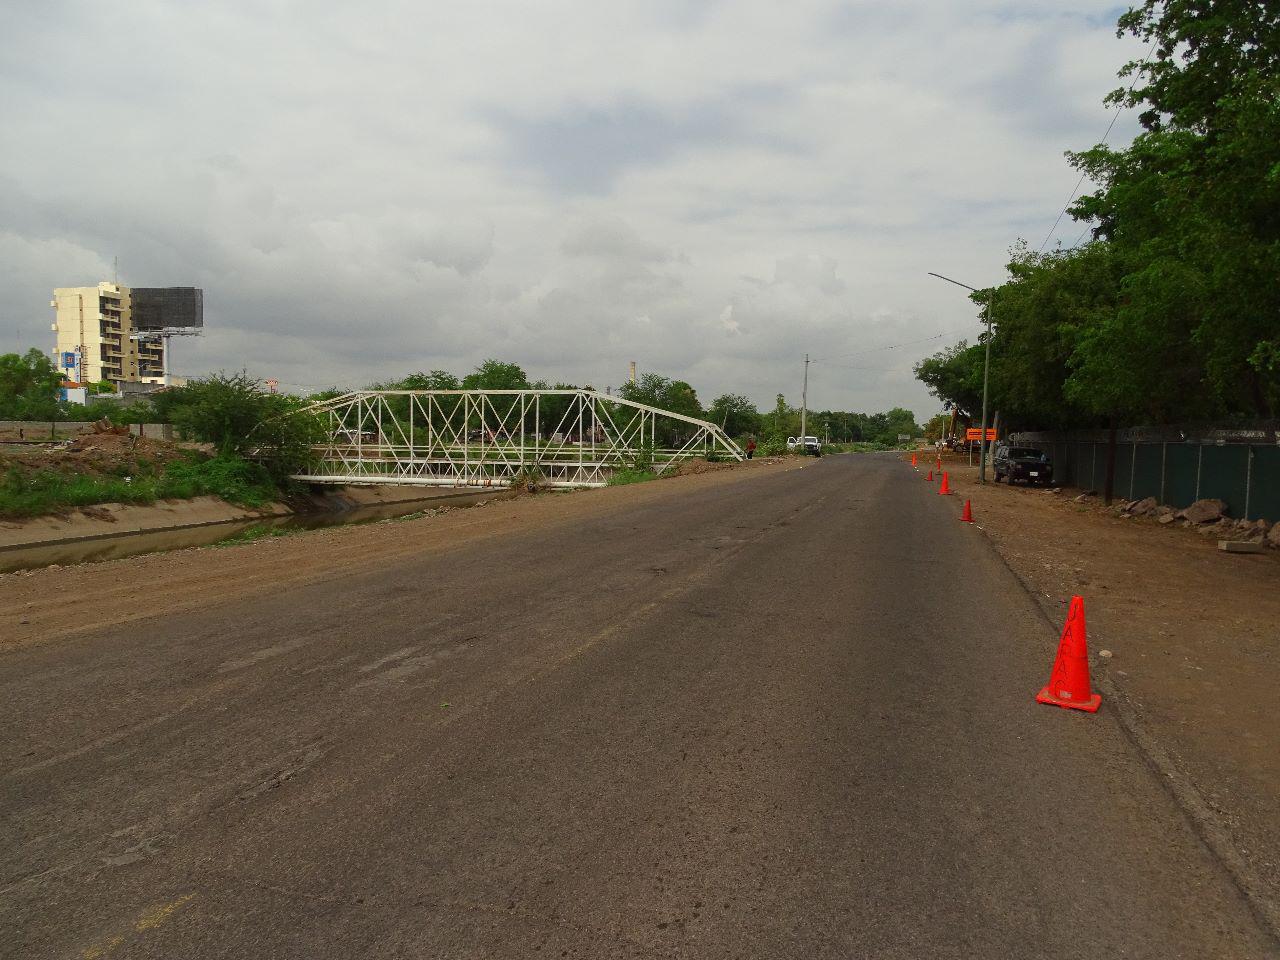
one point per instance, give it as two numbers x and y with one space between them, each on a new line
495 438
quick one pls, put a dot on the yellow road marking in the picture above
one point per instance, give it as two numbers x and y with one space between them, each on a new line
158 915
147 920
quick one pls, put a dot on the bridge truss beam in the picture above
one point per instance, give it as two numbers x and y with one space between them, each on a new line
488 438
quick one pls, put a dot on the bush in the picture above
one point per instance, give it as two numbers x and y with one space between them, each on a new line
239 418
630 475
47 491
642 461
233 479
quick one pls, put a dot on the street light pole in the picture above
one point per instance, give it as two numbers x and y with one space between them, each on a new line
986 376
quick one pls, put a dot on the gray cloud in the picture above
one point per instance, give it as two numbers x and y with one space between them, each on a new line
584 149
711 190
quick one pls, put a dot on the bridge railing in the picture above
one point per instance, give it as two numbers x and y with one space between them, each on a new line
486 438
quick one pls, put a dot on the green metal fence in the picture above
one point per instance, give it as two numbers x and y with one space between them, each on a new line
1177 465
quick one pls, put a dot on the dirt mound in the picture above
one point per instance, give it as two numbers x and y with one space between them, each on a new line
96 454
690 468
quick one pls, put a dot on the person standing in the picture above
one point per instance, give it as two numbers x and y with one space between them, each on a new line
751 447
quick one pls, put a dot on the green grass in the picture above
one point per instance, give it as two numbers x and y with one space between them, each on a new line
39 492
628 475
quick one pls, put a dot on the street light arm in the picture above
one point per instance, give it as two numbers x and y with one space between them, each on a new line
956 282
986 374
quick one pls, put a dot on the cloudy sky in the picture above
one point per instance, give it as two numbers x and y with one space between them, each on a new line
708 188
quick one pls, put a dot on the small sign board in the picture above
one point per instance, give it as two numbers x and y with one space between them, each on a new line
975 433
904 436
68 359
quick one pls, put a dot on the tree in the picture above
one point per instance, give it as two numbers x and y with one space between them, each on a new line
937 426
954 376
734 414
783 421
235 414
888 425
494 375
435 380
29 385
658 391
675 396
1191 211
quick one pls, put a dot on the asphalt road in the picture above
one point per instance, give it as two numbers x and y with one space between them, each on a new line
790 716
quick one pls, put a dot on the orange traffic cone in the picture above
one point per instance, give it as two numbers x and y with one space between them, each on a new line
939 467
913 459
967 516
945 489
1069 682
930 476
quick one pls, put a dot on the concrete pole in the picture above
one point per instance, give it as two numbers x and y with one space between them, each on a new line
986 377
804 403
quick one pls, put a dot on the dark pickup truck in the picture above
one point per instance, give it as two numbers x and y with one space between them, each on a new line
1022 463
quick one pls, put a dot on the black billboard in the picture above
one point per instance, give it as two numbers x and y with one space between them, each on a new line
155 308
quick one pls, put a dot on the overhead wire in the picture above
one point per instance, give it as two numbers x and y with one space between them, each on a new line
1111 126
830 361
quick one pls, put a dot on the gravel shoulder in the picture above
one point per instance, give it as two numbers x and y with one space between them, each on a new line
1194 641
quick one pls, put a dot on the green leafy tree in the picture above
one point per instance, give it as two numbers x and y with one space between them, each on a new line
954 376
937 426
29 385
494 375
734 414
783 420
665 394
235 414
1191 212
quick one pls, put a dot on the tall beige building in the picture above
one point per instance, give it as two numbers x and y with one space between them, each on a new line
98 338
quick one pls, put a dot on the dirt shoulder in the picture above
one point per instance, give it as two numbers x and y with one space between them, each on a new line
44 604
1194 641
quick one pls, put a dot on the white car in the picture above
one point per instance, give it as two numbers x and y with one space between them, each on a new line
809 445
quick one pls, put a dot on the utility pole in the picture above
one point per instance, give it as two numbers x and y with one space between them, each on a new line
804 402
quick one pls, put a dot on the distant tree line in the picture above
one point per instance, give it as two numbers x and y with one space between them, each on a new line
735 414
1171 311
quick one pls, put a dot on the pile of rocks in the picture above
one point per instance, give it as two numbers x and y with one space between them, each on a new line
1208 518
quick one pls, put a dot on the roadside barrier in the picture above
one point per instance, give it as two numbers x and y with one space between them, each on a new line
945 489
1069 682
967 516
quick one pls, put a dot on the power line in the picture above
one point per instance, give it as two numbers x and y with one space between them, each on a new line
1111 126
845 366
892 346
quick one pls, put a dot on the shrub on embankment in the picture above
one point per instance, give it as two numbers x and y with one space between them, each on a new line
28 492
